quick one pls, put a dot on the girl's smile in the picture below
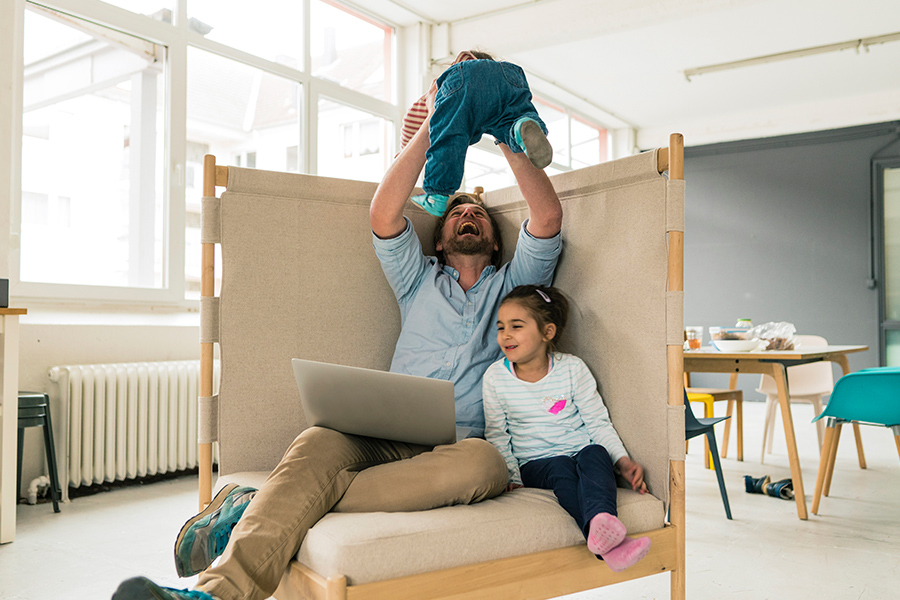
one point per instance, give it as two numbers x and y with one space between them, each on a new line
522 341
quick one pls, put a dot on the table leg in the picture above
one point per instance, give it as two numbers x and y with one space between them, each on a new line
779 374
9 420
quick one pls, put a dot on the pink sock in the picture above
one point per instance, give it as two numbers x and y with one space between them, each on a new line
606 532
628 553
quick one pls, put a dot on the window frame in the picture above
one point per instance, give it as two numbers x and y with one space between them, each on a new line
176 38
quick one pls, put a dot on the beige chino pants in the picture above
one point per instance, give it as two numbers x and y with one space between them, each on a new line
324 470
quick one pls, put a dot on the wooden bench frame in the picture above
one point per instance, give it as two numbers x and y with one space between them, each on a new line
539 575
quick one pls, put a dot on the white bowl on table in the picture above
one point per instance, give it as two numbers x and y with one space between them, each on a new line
738 345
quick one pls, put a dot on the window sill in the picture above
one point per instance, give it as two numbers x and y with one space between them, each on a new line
73 315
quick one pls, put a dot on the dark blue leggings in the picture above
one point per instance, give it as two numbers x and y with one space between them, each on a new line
584 484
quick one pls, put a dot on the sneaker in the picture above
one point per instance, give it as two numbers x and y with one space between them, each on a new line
531 138
203 538
435 204
141 588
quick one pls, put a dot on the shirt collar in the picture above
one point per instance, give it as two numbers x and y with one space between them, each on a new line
487 272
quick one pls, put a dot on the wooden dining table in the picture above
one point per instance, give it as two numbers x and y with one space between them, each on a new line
775 364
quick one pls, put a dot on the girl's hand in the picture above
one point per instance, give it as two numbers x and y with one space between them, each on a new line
512 486
633 473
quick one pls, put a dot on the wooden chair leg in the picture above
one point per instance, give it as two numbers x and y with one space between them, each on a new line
727 431
708 413
768 428
740 429
832 459
820 425
824 459
859 447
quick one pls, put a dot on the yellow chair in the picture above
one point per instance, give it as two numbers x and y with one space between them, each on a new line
709 396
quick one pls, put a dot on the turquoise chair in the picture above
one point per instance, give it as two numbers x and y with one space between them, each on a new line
868 397
694 427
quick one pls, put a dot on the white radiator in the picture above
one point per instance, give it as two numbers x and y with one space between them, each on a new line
126 420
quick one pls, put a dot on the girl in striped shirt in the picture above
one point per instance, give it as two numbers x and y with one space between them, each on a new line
543 413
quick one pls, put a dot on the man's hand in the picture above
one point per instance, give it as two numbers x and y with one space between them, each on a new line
633 473
513 486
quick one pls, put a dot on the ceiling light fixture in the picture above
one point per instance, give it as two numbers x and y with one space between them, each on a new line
859 44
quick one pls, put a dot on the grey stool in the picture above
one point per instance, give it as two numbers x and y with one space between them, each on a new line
34 411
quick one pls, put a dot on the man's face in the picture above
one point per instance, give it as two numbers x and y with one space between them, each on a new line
467 230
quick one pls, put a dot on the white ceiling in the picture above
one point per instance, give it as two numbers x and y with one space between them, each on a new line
623 61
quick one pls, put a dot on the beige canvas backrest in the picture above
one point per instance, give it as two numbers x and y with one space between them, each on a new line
300 280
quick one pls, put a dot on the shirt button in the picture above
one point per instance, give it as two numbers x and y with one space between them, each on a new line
448 364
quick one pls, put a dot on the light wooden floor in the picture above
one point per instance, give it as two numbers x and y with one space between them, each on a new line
850 551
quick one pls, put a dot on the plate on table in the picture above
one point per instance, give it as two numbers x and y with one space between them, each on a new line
737 345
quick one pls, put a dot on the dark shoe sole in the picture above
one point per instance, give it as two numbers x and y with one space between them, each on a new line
217 502
537 146
140 588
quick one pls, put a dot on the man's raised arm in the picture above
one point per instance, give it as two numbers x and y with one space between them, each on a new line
386 210
544 209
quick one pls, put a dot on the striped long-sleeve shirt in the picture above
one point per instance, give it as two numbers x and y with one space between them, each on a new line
413 120
558 415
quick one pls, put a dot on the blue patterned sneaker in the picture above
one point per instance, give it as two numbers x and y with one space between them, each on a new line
435 204
531 138
141 588
203 538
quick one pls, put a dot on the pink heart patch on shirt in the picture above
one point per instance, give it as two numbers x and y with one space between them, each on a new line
554 404
557 407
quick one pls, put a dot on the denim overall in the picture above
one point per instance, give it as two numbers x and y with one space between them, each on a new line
474 97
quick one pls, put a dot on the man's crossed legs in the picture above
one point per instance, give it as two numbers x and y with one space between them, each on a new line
315 477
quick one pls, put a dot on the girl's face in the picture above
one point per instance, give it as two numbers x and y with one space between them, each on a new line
520 337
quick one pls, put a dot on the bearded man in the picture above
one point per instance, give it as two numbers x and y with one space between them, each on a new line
448 308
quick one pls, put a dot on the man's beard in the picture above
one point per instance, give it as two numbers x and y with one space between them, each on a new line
469 246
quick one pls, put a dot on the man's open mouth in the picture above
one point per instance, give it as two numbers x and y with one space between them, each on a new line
467 227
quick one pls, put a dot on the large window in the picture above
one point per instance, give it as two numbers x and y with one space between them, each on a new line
92 145
122 99
353 144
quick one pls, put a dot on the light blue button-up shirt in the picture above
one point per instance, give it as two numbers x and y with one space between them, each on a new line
450 334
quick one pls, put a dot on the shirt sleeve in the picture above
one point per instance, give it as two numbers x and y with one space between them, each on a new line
594 412
413 120
496 427
402 261
534 260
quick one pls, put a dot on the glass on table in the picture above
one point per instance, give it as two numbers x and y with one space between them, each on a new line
693 336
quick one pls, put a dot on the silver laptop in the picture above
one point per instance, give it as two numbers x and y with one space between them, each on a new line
391 406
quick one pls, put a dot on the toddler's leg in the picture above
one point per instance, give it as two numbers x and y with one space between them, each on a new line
531 138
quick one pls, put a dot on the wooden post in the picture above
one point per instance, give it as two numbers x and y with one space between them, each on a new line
676 377
207 290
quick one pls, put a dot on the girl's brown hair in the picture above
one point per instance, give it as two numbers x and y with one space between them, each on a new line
546 304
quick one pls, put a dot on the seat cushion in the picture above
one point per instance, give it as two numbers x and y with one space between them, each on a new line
367 547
